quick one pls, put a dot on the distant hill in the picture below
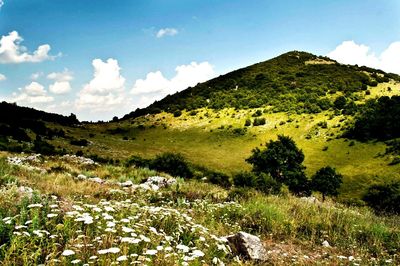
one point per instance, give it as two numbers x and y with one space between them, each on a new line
22 124
295 81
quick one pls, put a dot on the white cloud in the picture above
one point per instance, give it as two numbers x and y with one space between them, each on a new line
61 83
12 52
31 94
349 52
106 90
60 87
66 75
36 76
2 77
166 32
186 76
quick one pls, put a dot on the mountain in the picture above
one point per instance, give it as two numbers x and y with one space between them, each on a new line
295 81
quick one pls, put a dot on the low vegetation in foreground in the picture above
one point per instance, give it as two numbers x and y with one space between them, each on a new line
63 210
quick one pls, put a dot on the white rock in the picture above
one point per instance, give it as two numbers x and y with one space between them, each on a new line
81 177
96 180
248 246
325 244
128 183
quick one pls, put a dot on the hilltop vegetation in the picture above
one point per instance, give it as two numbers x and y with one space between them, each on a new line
295 81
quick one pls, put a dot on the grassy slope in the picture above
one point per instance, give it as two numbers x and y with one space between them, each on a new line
293 229
202 141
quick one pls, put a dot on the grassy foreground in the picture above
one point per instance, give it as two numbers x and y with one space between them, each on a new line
67 221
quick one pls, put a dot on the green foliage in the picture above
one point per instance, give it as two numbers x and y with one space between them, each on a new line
384 198
340 102
259 121
177 113
287 83
282 159
172 163
259 181
378 119
327 181
80 142
43 147
257 113
247 123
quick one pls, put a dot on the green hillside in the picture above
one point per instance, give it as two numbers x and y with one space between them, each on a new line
216 124
295 81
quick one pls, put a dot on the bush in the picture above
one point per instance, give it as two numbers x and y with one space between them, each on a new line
384 198
43 147
177 113
257 113
172 163
259 121
239 131
138 162
261 182
80 142
220 179
247 123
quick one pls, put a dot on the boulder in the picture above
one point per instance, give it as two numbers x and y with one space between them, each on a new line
247 246
81 177
128 183
96 180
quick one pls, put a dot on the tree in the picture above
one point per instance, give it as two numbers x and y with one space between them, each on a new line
327 181
384 198
282 159
340 102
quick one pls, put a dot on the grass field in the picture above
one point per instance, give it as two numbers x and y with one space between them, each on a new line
66 221
208 139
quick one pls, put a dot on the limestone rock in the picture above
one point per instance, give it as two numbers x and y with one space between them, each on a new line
248 246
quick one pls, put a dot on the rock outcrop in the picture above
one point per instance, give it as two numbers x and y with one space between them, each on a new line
247 246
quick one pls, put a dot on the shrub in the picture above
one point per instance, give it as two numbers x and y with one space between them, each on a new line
247 123
43 147
259 181
172 163
138 162
80 142
257 113
239 131
259 121
384 198
177 113
220 179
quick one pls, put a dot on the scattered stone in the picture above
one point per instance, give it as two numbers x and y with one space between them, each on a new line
96 180
326 244
128 183
248 246
81 177
160 181
79 159
311 199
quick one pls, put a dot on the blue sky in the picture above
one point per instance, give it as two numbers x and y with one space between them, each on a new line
108 57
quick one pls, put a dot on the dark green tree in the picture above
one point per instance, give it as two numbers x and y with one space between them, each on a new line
340 102
327 181
384 198
282 159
